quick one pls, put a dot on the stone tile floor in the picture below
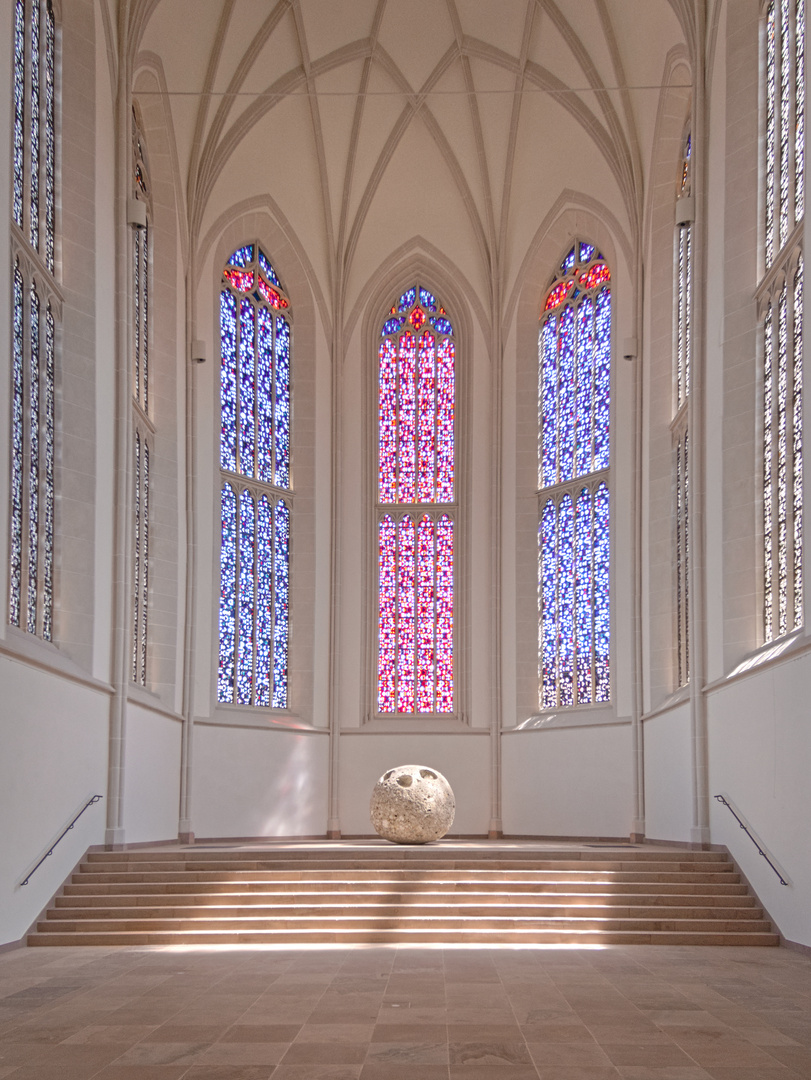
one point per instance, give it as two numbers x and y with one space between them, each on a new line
416 1013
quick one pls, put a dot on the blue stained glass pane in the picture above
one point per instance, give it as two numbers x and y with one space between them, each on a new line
407 300
583 601
566 368
228 593
392 325
586 253
247 567
33 194
267 269
264 601
242 257
585 377
228 381
50 136
48 539
19 110
566 601
602 379
428 300
548 595
441 325
282 416
549 403
33 468
602 630
247 361
281 612
17 392
568 262
264 395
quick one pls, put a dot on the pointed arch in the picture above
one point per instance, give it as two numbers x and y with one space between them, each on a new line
574 392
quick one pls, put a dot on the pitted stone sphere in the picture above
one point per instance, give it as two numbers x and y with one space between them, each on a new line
412 804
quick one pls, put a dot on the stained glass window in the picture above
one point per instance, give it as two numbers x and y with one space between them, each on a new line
574 388
784 75
33 375
679 426
416 508
255 415
143 424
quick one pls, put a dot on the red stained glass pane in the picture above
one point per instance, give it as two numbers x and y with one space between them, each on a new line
594 276
240 279
425 616
387 420
405 617
387 569
427 414
558 295
407 420
444 615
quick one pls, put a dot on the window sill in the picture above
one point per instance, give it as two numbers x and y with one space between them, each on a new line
248 716
788 647
401 724
32 651
583 716
139 695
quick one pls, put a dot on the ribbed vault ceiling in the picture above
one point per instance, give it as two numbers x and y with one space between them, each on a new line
371 122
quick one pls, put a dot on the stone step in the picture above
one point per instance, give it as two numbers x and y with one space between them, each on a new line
179 887
347 919
393 910
389 866
416 936
505 876
392 853
384 895
248 901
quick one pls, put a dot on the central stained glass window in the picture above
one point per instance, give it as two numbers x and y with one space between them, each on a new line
255 483
574 384
416 508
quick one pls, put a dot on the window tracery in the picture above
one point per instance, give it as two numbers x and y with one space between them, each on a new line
574 385
416 508
142 426
35 304
255 496
679 424
781 296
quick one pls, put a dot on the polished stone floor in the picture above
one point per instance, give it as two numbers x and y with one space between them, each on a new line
385 1013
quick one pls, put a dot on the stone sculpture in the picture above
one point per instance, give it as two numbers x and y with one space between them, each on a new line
412 804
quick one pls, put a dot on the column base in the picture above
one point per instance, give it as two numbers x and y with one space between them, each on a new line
113 839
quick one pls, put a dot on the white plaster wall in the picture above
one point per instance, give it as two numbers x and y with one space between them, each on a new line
253 782
54 758
568 781
760 758
462 759
152 775
668 775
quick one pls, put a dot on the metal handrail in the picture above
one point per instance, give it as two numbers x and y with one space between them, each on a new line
728 805
62 835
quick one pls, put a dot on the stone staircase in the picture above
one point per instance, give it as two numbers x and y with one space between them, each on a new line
447 893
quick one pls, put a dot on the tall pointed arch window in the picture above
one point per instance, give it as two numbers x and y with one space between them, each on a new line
574 386
35 312
679 423
416 509
255 490
143 430
781 302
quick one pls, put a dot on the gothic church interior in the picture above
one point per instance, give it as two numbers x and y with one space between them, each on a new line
403 380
